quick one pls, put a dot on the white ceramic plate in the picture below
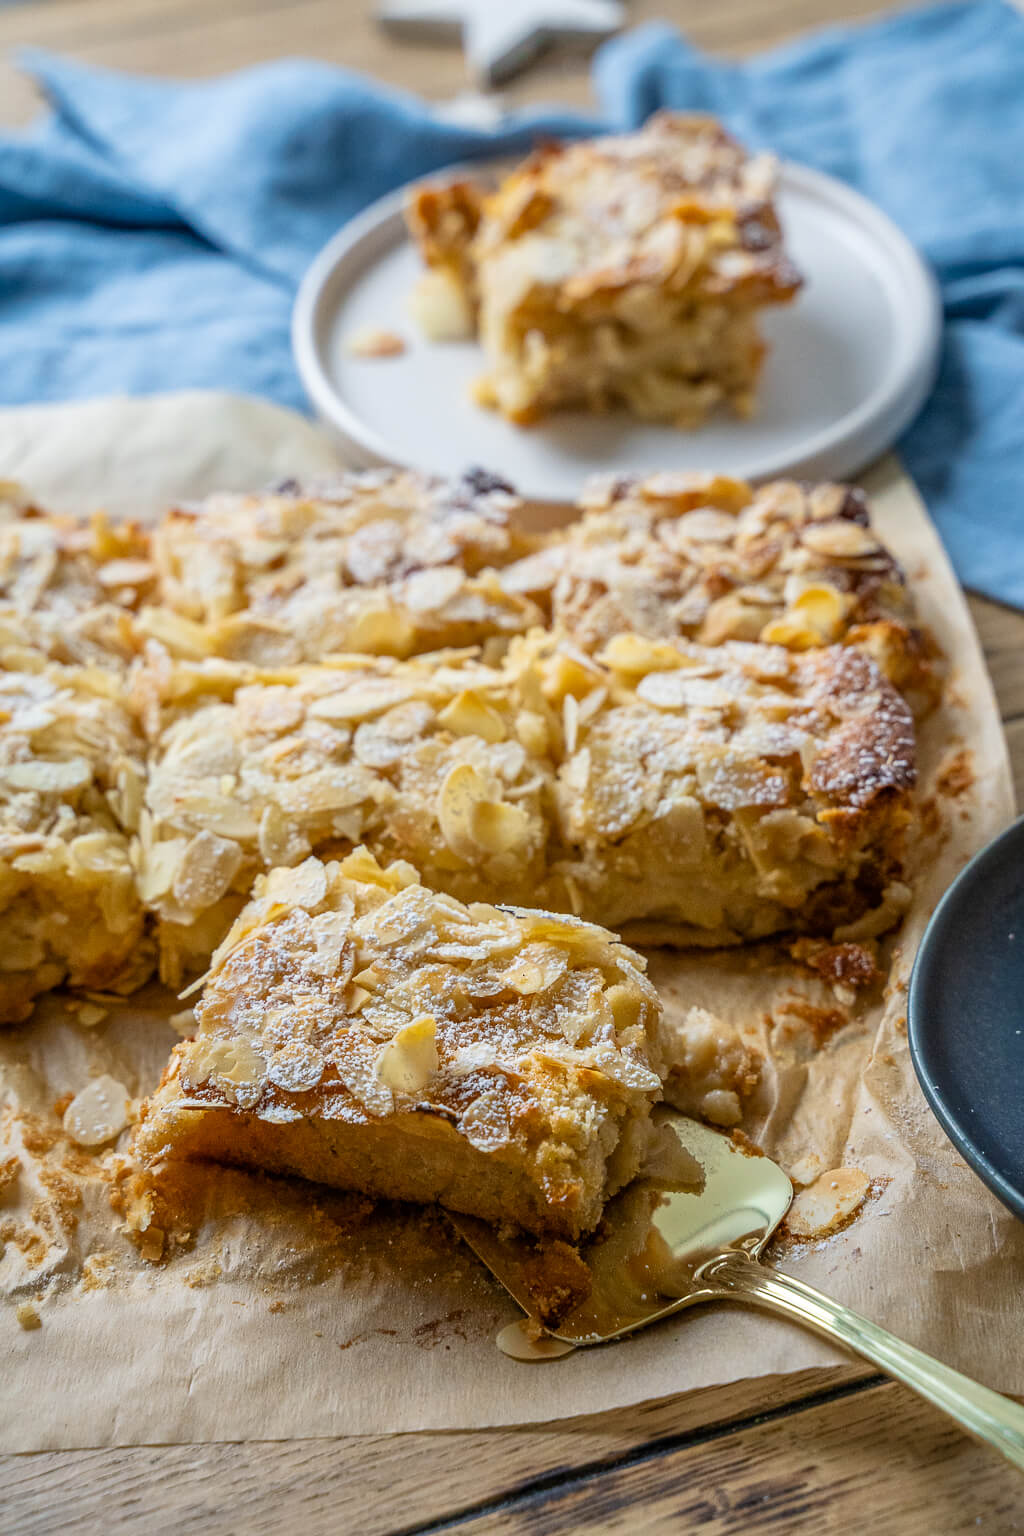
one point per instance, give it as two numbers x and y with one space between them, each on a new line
851 362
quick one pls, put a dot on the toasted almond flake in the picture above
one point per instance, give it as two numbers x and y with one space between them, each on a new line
841 539
828 1203
427 591
680 690
793 631
126 573
375 343
56 778
361 701
535 969
626 1006
305 886
461 792
499 828
469 714
296 1066
208 865
570 722
225 1061
731 782
329 931
532 732
338 787
485 1123
380 629
98 1113
354 1058
410 1059
218 813
159 865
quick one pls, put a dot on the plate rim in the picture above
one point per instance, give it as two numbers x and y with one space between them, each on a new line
1010 1194
851 443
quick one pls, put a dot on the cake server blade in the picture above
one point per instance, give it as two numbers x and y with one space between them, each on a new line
692 1230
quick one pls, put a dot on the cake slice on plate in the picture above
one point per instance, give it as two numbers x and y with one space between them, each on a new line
622 271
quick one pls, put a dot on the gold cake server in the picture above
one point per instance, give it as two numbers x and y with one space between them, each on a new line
692 1229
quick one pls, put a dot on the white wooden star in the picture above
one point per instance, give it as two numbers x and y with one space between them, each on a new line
500 37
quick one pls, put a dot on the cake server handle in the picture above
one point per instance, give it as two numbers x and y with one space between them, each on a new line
987 1415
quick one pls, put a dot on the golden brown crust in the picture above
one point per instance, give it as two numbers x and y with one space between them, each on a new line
444 220
872 755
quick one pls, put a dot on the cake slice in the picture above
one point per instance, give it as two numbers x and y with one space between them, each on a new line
710 558
361 1030
71 766
380 563
69 590
624 271
716 795
432 759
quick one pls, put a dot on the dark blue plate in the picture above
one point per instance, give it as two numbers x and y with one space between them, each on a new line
965 1015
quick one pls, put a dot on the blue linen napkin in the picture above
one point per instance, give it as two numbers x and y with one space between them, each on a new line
152 233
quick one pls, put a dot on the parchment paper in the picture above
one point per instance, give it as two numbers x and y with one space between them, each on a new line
301 1313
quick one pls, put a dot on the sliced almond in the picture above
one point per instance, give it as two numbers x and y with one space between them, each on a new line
828 1203
46 778
536 969
841 540
371 343
469 714
410 1059
98 1113
208 865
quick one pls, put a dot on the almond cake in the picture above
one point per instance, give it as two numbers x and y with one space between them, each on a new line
395 724
620 271
361 1029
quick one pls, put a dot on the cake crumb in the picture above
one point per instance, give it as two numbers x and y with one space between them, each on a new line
28 1317
10 1168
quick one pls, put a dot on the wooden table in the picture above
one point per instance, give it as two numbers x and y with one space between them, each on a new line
839 1451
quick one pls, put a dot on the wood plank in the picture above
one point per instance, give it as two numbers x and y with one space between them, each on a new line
370 1485
1015 739
878 1461
999 627
194 38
